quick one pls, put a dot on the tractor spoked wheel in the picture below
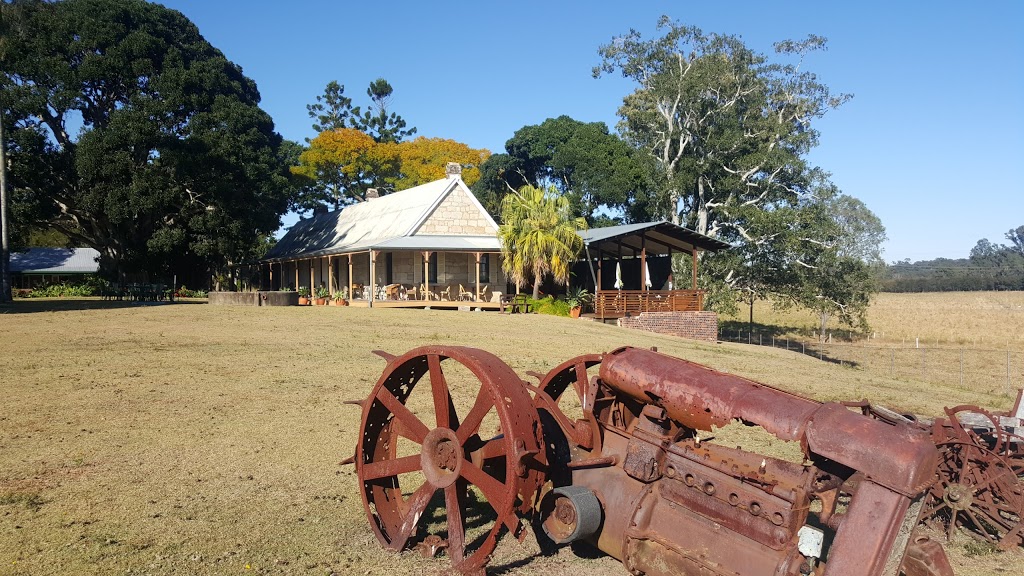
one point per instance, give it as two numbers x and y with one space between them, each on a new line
454 477
978 491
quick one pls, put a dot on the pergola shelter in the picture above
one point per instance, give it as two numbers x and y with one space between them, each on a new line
431 245
634 249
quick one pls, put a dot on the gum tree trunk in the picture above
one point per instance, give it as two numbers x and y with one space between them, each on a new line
5 249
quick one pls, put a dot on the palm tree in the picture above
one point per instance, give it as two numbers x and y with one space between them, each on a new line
538 236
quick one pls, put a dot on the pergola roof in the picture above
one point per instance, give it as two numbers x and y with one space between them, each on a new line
657 237
56 261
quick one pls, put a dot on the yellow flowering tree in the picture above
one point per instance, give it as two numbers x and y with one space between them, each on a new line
423 160
342 164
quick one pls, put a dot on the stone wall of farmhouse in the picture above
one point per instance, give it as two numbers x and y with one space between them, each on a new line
457 214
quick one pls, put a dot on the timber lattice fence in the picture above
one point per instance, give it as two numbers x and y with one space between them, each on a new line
985 370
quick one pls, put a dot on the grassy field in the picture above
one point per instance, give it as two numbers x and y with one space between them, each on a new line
967 319
193 439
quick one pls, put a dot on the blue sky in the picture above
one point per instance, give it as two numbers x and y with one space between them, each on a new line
932 142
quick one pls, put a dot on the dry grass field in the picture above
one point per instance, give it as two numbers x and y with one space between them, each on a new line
959 319
194 439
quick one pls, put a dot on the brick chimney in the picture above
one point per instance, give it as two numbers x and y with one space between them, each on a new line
453 170
371 193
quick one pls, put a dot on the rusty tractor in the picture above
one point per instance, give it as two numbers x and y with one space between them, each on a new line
981 461
631 469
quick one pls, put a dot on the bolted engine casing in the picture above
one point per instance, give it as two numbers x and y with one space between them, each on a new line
670 503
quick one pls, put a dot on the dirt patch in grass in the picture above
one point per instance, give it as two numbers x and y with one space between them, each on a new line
184 438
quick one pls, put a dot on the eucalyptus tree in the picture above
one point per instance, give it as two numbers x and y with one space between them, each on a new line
538 236
727 128
8 29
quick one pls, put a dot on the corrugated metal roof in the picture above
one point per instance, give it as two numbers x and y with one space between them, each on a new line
56 261
442 243
662 231
361 226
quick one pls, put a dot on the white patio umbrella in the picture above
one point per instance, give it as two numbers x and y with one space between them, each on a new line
647 274
618 276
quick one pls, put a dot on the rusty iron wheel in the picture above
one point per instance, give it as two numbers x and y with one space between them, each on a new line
554 384
505 470
977 488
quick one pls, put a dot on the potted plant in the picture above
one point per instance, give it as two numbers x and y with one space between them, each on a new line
322 293
577 298
303 296
341 297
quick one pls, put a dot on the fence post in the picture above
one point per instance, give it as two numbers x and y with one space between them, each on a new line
760 337
892 361
924 364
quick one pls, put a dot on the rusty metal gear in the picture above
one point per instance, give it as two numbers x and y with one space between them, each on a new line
449 456
978 487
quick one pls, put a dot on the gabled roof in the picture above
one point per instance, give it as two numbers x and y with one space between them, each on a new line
387 222
56 261
659 235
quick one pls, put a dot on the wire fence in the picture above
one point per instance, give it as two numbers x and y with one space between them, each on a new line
984 370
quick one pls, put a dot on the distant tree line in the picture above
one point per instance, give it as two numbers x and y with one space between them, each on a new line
990 267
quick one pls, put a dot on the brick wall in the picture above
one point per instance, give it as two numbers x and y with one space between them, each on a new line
693 325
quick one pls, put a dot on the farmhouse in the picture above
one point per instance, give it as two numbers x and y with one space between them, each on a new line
436 245
431 243
38 266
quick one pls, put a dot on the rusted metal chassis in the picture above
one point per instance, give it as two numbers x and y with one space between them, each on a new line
672 505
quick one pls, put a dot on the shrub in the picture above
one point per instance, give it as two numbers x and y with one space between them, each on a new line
87 287
184 292
548 305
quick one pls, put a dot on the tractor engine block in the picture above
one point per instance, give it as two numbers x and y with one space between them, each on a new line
639 477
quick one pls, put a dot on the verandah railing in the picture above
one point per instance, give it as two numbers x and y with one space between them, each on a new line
619 303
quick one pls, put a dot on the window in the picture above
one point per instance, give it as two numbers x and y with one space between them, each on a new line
389 268
432 269
485 268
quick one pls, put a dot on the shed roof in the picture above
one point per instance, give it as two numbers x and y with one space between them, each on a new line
659 237
56 261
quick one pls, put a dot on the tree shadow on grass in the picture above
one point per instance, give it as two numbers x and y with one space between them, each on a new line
34 306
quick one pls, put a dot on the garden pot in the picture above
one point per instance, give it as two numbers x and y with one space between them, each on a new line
303 301
321 301
575 312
